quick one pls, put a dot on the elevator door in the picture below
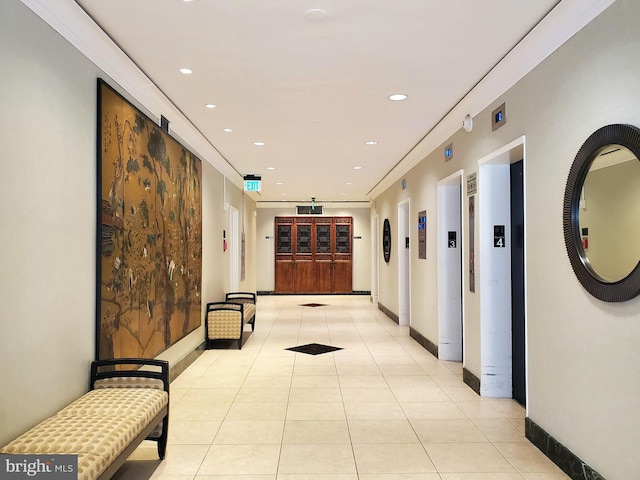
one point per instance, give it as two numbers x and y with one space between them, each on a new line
517 284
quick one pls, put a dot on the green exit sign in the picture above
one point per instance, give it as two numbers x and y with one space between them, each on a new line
252 185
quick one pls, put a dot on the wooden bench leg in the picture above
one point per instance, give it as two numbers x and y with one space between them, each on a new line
162 441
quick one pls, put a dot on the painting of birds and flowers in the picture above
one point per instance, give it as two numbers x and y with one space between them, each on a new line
149 233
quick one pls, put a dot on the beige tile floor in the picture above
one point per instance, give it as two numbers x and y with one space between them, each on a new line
381 408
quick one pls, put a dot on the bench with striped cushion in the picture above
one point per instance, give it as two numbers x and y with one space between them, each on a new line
104 426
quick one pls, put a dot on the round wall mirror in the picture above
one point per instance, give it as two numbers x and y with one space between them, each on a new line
602 211
386 240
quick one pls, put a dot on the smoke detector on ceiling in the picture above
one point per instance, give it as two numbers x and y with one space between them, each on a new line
316 14
467 123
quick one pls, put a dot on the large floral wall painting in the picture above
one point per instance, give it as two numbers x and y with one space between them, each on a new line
149 257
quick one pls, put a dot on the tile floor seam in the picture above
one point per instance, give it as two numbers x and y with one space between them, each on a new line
344 409
203 459
368 334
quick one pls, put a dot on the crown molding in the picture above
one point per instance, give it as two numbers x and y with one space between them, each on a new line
68 19
566 19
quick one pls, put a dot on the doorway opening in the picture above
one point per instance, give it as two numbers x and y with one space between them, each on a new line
233 245
404 268
449 231
502 272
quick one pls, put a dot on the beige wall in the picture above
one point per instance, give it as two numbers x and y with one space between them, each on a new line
48 192
48 238
583 356
265 261
583 377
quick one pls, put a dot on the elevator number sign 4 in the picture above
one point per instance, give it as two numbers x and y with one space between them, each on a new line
498 236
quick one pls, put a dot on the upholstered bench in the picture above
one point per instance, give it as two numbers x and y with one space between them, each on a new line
226 320
103 427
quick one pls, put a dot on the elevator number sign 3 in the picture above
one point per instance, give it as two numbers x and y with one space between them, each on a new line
452 242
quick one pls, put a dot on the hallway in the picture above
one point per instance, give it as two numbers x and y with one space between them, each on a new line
382 407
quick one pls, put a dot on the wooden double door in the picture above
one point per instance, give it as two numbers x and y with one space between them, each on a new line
313 255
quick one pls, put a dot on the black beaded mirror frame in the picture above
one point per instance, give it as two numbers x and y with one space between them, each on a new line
628 136
386 240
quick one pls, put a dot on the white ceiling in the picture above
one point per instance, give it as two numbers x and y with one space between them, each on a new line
314 86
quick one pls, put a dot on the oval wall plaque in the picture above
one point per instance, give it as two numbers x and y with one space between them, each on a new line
386 240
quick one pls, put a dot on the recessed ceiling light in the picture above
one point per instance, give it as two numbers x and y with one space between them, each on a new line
259 144
398 97
371 142
271 168
343 193
228 130
283 193
279 183
186 71
349 183
210 105
357 168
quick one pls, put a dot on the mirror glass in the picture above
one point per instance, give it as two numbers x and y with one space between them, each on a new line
609 214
